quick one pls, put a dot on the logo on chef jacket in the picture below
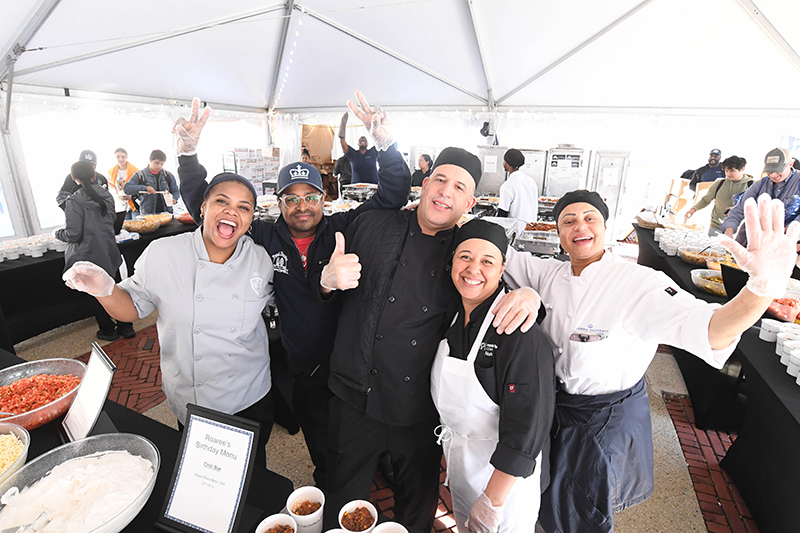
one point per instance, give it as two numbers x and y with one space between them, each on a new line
280 263
298 173
488 349
256 283
512 388
670 291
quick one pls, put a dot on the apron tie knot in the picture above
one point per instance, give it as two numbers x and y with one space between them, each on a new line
443 434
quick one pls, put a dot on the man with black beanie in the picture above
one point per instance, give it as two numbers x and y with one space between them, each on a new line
519 196
396 267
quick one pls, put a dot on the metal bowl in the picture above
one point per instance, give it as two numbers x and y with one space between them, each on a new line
134 444
51 411
22 434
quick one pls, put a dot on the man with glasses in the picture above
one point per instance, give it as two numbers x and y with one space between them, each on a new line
781 181
300 243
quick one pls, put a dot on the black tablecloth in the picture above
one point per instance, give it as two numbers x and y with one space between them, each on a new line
717 395
268 490
34 299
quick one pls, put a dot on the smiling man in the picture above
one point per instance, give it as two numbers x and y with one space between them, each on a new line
606 317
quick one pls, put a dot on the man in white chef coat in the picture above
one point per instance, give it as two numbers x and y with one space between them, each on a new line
605 319
519 196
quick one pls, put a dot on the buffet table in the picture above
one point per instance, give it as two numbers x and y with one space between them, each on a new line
761 461
34 299
268 490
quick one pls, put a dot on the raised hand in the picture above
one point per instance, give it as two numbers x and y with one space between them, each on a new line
187 132
771 252
343 125
375 120
343 270
89 278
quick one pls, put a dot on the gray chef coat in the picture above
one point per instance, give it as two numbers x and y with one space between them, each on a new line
214 348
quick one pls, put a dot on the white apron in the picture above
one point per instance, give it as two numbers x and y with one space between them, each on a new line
469 436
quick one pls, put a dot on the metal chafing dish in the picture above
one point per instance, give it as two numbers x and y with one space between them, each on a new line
538 242
359 192
415 193
546 205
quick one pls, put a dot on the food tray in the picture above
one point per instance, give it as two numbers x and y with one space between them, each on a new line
694 256
415 193
785 309
540 247
541 237
710 286
141 226
51 411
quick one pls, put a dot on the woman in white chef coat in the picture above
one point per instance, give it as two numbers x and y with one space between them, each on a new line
495 395
209 287
605 319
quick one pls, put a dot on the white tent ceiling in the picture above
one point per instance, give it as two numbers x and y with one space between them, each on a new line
311 54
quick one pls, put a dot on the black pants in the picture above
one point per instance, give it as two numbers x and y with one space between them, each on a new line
310 397
260 412
104 320
354 444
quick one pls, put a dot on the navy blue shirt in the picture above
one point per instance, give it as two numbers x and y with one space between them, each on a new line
364 166
713 174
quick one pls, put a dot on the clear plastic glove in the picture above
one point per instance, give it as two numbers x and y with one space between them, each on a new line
343 125
187 132
343 270
771 254
375 120
484 517
87 277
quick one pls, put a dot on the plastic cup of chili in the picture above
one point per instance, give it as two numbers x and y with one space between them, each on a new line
351 508
305 505
271 522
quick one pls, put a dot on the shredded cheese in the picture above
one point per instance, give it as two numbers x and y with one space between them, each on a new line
10 450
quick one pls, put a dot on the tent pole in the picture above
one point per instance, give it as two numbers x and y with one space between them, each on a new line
17 45
149 40
489 92
276 73
26 218
772 32
575 50
9 87
390 53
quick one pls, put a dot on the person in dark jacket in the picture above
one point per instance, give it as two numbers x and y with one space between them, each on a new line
710 172
342 171
300 243
425 163
147 185
89 234
393 267
70 186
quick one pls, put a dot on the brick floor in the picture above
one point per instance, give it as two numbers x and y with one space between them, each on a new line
723 508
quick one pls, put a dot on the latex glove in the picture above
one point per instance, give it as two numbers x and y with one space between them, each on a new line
343 125
187 132
484 517
375 120
87 277
343 270
517 308
689 213
771 253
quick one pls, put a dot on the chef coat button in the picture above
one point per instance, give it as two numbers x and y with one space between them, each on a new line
413 342
200 264
424 308
392 299
379 336
197 358
199 298
560 350
235 296
432 272
443 240
411 232
233 330
369 389
230 375
230 267
197 331
406 379
569 314
403 262
199 385
230 355
373 372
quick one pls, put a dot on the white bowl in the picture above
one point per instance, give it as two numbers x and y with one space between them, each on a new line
311 523
788 348
390 527
352 506
794 363
25 438
279 519
769 330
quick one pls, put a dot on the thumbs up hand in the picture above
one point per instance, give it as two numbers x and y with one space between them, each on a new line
343 270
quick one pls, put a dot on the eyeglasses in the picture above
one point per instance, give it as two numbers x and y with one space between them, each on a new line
292 200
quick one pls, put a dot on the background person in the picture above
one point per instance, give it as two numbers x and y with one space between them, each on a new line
209 287
495 395
70 187
722 192
148 185
363 162
606 318
120 174
89 234
425 162
519 196
711 171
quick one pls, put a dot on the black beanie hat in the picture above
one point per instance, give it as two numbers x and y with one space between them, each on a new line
460 158
514 158
483 229
580 195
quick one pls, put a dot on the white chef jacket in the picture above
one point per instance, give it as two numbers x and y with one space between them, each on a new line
520 197
624 310
214 347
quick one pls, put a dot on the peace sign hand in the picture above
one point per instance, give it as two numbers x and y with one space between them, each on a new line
187 132
375 120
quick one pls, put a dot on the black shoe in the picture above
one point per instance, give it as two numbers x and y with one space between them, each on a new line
110 336
126 331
